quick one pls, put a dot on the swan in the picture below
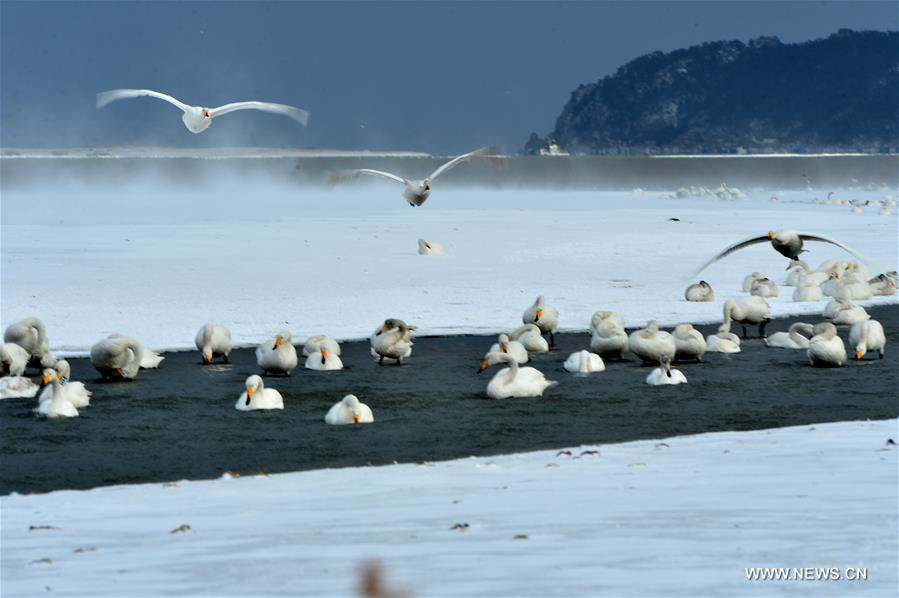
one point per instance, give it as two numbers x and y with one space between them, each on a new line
832 285
12 387
882 285
279 357
118 357
602 316
213 341
689 343
415 192
13 359
865 336
584 362
257 396
844 313
825 348
75 392
197 118
750 279
545 317
57 404
764 287
323 359
805 274
393 340
664 375
609 340
856 290
795 272
747 310
31 335
786 242
723 341
149 359
529 336
701 291
807 292
855 273
792 339
313 342
428 248
513 381
513 348
650 343
349 411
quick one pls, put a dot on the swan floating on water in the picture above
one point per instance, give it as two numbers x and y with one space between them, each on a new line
323 359
393 340
214 341
825 348
543 316
314 342
746 310
865 336
13 359
584 362
117 357
57 404
650 343
701 291
12 387
197 118
529 336
257 396
279 357
664 375
31 335
75 392
513 348
513 381
349 411
791 339
689 343
428 248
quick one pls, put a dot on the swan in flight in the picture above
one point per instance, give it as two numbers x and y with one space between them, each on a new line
197 118
149 359
825 348
650 343
791 339
664 375
609 340
415 192
428 248
747 310
12 387
117 357
788 243
865 336
322 359
349 411
213 341
257 396
529 336
57 403
392 339
701 291
689 343
513 381
31 335
13 359
584 362
513 348
75 392
543 316
279 357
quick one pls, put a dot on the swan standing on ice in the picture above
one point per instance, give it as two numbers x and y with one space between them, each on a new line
513 381
213 341
414 192
513 348
791 339
57 404
197 118
608 340
12 387
747 310
543 316
701 291
31 335
257 396
323 359
428 248
764 287
117 357
865 336
349 411
314 342
13 359
825 348
393 340
75 392
723 341
664 375
689 343
584 362
278 358
650 343
149 359
530 338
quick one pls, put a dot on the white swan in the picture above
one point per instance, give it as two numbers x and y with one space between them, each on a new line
415 192
844 313
117 357
257 396
31 335
393 340
865 336
323 360
58 404
650 343
13 359
429 248
746 310
723 341
278 357
529 336
349 411
796 270
750 279
805 274
75 392
513 381
825 348
313 342
664 375
882 285
701 291
197 118
807 292
513 348
764 287
855 290
213 341
12 387
149 359
608 340
792 339
832 285
689 343
606 316
584 362
543 316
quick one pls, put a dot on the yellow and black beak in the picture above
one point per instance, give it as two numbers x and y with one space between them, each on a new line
771 234
206 112
485 363
537 314
207 358
505 347
858 355
46 378
324 356
278 342
356 418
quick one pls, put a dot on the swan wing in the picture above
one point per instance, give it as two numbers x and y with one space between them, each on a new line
824 239
484 151
298 114
105 97
343 175
731 249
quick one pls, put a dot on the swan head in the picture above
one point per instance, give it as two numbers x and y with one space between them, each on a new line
665 364
49 374
324 352
207 356
426 185
283 337
424 246
352 403
196 119
393 324
772 234
63 371
504 343
253 384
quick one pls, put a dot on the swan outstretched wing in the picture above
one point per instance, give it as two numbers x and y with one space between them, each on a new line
298 114
731 249
484 151
343 175
824 239
105 97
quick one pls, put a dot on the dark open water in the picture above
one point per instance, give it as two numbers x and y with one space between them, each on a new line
179 421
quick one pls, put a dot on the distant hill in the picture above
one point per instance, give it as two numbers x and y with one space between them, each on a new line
839 94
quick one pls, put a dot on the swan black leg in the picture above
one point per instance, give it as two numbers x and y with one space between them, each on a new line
743 326
381 360
227 360
762 328
552 340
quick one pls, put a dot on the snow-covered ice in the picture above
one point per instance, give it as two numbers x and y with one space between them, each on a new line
684 516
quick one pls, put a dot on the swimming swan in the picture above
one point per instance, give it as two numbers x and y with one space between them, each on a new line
513 348
393 340
865 336
31 335
529 336
117 357
279 357
825 348
650 343
349 411
689 343
13 359
513 381
791 339
257 396
609 340
543 316
213 341
323 359
584 362
701 291
746 310
58 404
75 392
664 375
